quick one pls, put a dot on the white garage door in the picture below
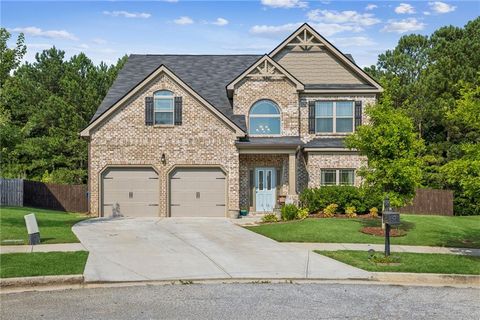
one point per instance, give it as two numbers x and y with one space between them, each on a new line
197 192
130 192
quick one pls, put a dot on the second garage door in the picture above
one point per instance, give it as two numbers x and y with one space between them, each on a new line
197 192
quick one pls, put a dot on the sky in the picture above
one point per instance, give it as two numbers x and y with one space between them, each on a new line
107 30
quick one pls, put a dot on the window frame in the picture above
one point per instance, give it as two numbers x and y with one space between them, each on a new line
337 176
334 117
170 97
277 115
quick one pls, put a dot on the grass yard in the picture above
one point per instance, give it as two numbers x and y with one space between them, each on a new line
411 262
42 264
421 231
55 226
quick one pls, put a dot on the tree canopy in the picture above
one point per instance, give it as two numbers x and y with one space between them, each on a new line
43 107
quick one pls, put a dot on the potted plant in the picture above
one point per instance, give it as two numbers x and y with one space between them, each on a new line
243 211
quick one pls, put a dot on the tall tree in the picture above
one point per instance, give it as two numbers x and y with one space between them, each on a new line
10 57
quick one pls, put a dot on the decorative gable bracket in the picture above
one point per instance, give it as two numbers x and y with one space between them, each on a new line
265 68
305 41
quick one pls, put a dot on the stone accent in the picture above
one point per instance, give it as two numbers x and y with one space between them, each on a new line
332 160
250 162
124 139
367 99
281 91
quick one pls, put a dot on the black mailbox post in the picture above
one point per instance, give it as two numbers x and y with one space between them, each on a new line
389 218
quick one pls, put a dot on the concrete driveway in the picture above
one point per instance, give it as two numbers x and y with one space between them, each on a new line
139 249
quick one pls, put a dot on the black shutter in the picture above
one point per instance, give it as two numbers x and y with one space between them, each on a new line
178 111
358 113
311 117
149 111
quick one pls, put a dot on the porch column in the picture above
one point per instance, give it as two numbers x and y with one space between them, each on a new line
292 174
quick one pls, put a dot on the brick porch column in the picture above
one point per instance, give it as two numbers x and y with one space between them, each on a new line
292 174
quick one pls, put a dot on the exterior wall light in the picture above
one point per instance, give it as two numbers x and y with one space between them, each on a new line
163 159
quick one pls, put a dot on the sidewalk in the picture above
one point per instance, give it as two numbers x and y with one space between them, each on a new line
380 247
63 247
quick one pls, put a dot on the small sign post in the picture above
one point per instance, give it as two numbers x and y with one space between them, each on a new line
389 218
32 229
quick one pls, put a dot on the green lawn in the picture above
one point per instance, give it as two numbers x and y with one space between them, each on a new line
421 230
42 264
55 226
411 262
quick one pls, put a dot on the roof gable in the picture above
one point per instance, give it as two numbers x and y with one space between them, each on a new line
160 70
266 68
307 39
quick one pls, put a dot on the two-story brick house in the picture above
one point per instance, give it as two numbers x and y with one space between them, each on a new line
204 135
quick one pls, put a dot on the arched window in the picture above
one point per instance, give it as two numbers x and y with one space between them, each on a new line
264 118
163 107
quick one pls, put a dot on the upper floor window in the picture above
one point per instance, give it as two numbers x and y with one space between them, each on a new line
334 116
264 118
163 107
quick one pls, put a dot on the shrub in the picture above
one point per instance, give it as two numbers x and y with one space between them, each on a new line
270 217
302 213
318 199
330 210
374 212
351 212
289 212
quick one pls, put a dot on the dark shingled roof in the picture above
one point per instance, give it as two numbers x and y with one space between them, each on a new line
286 141
208 75
326 143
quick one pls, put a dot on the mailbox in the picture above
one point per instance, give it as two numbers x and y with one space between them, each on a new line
391 218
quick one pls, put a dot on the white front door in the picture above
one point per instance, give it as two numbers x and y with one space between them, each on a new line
265 189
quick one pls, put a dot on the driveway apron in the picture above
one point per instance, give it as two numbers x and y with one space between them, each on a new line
143 249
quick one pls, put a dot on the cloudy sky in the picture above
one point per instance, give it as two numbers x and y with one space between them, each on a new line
106 30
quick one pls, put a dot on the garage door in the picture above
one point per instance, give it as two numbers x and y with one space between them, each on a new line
130 192
197 192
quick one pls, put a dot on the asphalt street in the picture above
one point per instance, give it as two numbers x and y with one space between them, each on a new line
246 301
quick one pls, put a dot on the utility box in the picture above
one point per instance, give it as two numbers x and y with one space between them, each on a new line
32 229
391 218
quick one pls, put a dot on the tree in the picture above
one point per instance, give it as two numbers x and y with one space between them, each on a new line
392 148
43 107
10 58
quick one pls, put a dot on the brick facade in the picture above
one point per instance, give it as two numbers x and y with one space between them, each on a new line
332 160
281 91
124 139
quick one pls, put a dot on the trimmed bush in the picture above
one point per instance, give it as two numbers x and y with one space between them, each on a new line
374 212
289 212
330 210
302 213
318 199
271 217
351 212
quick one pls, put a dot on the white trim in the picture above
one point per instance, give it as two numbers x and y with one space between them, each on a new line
332 49
162 69
298 84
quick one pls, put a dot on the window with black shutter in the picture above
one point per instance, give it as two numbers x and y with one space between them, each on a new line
178 111
149 111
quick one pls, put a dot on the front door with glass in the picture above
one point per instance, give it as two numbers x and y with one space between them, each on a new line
265 189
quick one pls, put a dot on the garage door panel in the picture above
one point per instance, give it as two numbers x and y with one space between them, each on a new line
197 192
135 190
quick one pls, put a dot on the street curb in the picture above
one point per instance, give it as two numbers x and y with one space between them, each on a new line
41 281
427 278
380 278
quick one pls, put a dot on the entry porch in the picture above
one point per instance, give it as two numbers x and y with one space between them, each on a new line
268 172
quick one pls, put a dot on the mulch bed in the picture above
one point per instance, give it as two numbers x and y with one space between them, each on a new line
378 231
